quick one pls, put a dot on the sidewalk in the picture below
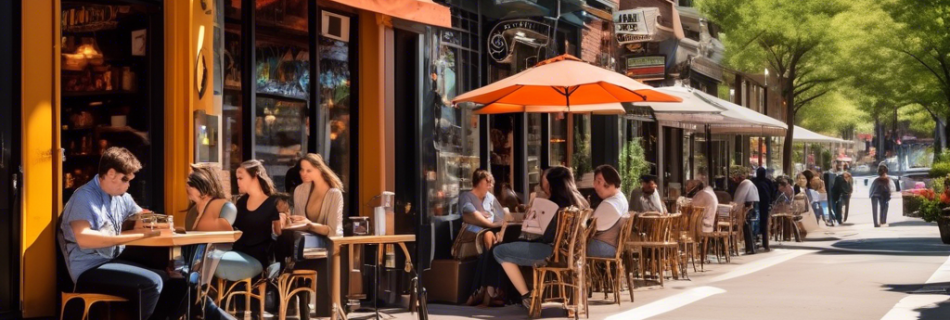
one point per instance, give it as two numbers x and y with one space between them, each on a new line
904 236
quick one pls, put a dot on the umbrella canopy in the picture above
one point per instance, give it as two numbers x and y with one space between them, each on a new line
600 108
753 122
805 135
699 108
561 81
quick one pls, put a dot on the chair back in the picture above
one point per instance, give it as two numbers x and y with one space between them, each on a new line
696 221
655 228
723 197
570 221
626 229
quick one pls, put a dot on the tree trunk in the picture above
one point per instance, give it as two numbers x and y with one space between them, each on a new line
940 138
788 93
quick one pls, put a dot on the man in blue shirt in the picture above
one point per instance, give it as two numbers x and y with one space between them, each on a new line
91 236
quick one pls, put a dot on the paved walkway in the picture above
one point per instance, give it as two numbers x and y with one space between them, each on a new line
853 271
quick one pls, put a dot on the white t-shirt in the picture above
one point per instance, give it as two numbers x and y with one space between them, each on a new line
746 192
610 211
707 199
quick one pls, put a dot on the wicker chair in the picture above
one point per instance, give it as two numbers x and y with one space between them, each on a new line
720 239
614 280
653 240
569 252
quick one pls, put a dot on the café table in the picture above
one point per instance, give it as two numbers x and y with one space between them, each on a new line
174 242
380 241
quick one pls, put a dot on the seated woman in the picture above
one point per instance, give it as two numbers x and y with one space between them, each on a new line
480 210
562 191
318 202
210 209
607 186
258 219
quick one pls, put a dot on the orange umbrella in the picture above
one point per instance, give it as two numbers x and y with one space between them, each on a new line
562 84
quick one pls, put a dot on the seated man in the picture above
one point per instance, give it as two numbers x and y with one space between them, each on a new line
703 196
91 238
607 185
747 195
647 198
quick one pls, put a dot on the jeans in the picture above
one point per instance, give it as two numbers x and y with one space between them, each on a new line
875 203
834 208
525 254
129 280
760 210
600 249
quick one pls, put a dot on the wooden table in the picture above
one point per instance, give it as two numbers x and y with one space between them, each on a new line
337 242
188 238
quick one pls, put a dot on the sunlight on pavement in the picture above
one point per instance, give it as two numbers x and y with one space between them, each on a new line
667 304
756 266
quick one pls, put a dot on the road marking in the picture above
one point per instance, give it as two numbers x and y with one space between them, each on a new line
909 307
667 304
759 265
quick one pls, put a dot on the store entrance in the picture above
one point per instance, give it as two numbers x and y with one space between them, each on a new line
112 92
9 159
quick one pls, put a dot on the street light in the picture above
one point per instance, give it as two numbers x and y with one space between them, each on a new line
766 77
732 95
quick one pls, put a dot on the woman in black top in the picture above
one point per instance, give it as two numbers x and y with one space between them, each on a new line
563 192
257 219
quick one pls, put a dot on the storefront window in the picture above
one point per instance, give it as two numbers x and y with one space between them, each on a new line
455 66
228 59
282 71
581 161
534 150
335 104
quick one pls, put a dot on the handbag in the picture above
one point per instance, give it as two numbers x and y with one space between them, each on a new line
539 216
463 247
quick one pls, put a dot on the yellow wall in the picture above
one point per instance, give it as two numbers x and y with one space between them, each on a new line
42 199
40 134
179 103
372 117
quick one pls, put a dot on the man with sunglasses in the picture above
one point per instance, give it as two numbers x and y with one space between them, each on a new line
91 238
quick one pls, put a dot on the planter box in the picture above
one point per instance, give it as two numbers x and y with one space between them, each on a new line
944 224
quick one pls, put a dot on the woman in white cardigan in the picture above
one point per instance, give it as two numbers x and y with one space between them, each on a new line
318 204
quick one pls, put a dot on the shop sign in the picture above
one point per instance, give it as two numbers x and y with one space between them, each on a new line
635 25
503 36
706 67
646 68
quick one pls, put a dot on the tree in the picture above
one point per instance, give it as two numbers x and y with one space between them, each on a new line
923 29
794 39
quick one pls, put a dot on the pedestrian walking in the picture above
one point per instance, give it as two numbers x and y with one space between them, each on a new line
767 194
880 195
841 195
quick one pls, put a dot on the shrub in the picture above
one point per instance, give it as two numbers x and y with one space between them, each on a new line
633 164
940 169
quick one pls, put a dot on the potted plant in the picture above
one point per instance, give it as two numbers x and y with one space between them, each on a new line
937 209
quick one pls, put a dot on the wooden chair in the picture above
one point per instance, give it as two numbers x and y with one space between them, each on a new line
292 283
735 224
690 224
566 260
88 299
654 237
720 239
615 279
250 290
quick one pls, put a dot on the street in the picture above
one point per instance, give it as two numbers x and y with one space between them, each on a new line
851 272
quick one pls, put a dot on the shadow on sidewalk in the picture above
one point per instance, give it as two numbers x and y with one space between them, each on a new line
880 246
919 288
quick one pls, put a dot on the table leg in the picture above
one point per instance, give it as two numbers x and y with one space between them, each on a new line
337 307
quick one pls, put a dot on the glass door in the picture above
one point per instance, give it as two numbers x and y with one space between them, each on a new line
281 115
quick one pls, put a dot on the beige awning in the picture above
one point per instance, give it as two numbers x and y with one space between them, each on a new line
422 11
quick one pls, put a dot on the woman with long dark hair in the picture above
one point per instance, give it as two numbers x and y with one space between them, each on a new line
563 192
210 209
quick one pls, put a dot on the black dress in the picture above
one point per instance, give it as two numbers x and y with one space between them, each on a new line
257 226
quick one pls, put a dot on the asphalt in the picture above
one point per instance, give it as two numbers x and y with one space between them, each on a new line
854 271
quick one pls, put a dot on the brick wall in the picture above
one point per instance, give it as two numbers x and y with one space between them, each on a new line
591 40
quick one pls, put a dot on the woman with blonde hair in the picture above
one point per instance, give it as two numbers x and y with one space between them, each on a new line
210 209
